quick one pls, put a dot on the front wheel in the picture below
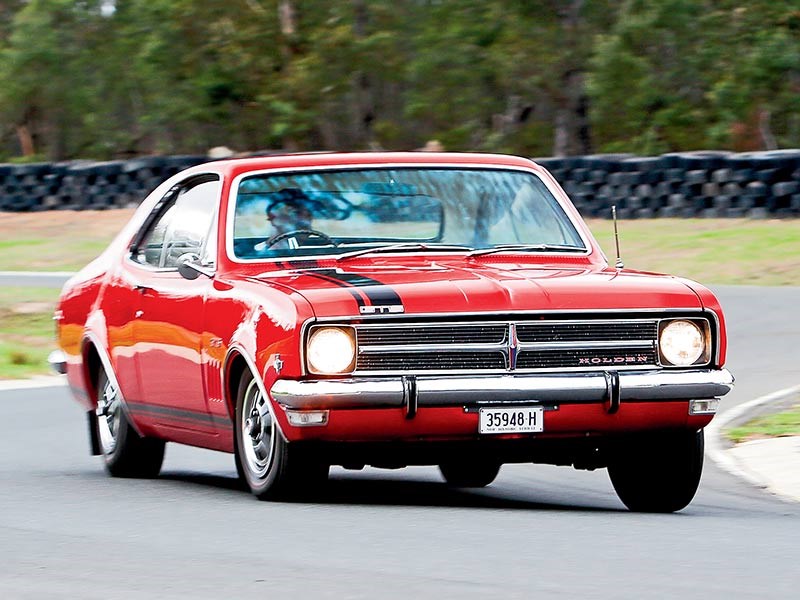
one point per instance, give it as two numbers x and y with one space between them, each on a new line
658 472
125 453
271 467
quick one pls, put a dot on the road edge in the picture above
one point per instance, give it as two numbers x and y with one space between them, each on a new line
10 385
727 461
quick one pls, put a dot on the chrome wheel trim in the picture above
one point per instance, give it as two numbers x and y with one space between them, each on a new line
109 416
258 431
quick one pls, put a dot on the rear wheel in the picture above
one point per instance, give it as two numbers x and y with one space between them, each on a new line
125 453
469 473
659 472
271 467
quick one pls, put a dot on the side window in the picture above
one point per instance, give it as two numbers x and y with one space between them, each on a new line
185 225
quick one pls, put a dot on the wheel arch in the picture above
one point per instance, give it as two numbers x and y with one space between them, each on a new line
236 362
235 365
95 358
92 363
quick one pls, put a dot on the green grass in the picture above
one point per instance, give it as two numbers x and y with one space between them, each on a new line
48 254
777 425
27 331
56 240
715 251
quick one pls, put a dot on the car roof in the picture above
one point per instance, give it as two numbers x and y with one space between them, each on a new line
237 166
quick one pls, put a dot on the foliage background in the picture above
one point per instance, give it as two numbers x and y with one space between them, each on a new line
117 78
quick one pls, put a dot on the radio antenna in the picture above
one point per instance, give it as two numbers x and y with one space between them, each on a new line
619 264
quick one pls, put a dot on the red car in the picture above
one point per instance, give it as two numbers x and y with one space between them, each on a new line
388 309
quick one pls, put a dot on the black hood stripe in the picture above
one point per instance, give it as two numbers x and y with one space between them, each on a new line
353 292
378 293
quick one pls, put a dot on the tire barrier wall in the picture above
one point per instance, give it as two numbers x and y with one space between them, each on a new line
692 184
86 185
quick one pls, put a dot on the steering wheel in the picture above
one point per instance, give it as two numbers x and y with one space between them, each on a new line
295 232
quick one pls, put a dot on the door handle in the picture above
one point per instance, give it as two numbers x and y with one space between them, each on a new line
142 289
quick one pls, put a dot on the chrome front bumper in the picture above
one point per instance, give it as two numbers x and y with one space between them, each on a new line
421 391
58 361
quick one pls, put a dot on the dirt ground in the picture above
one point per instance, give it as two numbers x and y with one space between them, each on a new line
97 224
56 240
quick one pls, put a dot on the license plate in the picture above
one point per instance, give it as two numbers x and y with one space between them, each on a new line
529 419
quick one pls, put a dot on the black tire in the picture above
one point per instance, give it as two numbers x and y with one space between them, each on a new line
271 467
125 453
469 473
659 472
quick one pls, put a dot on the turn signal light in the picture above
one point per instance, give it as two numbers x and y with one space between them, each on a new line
703 407
307 418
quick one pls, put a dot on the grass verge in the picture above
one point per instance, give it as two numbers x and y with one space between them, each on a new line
778 425
58 240
26 330
712 251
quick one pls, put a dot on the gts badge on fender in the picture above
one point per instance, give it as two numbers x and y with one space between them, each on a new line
381 309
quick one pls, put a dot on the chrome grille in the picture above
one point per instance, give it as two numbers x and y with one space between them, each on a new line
521 345
430 334
431 361
577 332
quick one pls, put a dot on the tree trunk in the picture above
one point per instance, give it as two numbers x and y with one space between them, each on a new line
362 85
765 130
287 17
25 140
572 131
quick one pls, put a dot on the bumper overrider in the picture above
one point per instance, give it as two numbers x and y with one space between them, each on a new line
613 389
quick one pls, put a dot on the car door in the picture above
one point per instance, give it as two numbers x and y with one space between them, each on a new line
169 319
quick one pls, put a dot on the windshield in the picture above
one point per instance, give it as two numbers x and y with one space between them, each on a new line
334 212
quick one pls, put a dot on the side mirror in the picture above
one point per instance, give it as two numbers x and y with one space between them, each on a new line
189 267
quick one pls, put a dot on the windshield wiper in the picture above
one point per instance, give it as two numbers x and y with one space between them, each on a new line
526 248
404 247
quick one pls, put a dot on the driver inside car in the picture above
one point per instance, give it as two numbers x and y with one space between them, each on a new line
290 211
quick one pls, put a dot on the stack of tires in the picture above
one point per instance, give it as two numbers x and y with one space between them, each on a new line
86 185
689 184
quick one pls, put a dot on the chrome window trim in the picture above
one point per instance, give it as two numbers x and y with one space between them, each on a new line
579 226
208 176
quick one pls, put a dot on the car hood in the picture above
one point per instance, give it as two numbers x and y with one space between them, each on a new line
479 287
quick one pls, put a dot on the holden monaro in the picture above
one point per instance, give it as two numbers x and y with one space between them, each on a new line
388 309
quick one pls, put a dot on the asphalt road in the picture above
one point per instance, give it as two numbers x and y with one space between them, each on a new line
33 279
68 531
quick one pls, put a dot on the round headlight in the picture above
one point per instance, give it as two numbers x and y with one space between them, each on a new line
682 343
330 350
